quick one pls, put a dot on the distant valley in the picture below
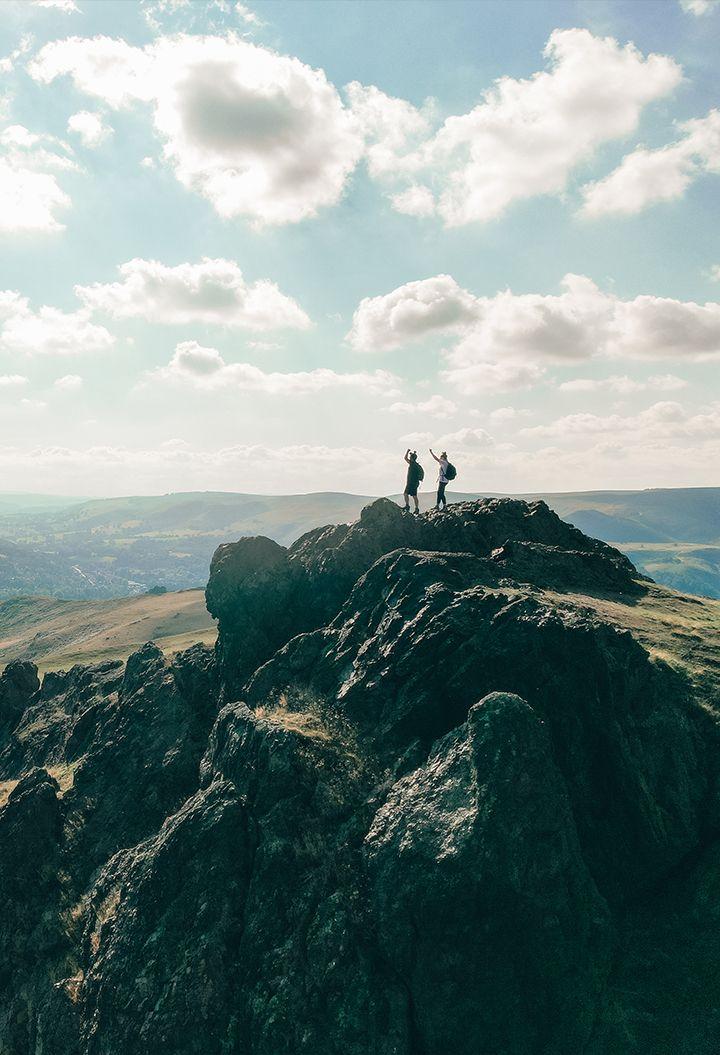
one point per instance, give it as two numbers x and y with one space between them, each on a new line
74 548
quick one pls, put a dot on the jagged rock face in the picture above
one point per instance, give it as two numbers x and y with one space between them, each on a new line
263 594
413 803
477 879
632 748
18 682
31 931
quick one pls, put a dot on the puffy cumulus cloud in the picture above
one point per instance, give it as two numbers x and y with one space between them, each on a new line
435 407
90 127
624 385
212 291
414 201
411 312
267 137
660 327
102 67
664 422
506 415
526 137
646 177
205 368
48 331
12 381
698 7
388 126
508 340
68 383
466 439
30 195
559 328
258 134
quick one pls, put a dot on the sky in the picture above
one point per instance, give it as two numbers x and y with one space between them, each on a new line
267 247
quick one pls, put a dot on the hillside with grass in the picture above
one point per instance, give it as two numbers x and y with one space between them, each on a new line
56 634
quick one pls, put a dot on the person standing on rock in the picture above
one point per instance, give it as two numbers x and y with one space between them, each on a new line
415 475
443 479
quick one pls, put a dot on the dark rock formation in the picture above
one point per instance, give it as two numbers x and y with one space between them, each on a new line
422 798
264 594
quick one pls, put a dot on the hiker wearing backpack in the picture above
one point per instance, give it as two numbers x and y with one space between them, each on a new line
415 476
446 473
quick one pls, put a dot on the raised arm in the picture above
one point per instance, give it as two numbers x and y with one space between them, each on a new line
407 453
434 454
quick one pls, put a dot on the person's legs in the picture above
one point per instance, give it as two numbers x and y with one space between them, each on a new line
407 502
441 500
415 500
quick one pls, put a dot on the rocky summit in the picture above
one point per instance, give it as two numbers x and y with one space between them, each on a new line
447 783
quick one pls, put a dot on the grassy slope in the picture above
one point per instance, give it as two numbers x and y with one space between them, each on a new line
56 634
679 629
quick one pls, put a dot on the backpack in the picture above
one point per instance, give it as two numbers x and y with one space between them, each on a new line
450 472
420 472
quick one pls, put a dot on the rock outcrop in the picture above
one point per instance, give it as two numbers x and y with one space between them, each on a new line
264 594
423 797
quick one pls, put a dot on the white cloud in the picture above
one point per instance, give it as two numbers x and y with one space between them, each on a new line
662 422
258 134
466 439
90 127
213 291
411 312
205 368
48 331
526 137
68 383
435 407
504 415
698 7
415 201
248 16
267 137
33 404
387 125
646 177
30 195
7 62
68 7
104 68
506 341
12 380
624 385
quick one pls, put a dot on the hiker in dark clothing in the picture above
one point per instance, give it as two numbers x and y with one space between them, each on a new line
415 475
441 501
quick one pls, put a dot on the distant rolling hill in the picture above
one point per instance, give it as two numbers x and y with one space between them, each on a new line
57 634
671 534
104 548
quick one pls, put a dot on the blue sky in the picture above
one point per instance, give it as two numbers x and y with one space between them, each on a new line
266 247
